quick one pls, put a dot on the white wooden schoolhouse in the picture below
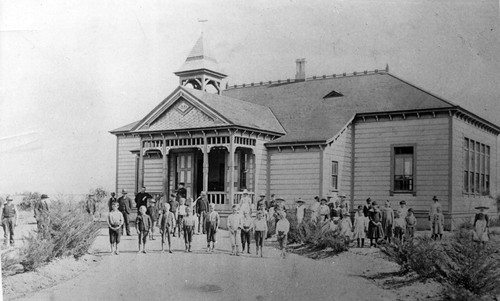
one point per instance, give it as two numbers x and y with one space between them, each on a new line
363 134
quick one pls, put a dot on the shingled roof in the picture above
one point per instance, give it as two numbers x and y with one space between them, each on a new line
309 117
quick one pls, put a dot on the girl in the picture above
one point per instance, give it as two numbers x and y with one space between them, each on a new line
375 231
411 223
481 222
360 227
438 224
387 220
346 228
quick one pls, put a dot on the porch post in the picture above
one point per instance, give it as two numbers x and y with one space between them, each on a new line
141 167
231 168
165 171
205 165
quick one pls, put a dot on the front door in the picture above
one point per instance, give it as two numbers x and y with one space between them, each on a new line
185 171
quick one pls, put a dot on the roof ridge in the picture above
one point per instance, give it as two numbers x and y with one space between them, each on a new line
315 77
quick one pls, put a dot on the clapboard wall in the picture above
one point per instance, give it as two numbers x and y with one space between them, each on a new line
373 141
126 169
295 172
260 167
464 202
153 174
338 150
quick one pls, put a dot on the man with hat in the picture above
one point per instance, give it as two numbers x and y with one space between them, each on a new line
245 203
111 200
262 201
141 198
181 192
41 211
301 209
201 211
9 220
125 207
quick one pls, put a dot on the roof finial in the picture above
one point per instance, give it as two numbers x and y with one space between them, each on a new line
386 67
202 21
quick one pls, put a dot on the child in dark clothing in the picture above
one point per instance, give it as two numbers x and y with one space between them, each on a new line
152 211
142 226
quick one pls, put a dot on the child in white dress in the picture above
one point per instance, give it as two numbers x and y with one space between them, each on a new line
360 227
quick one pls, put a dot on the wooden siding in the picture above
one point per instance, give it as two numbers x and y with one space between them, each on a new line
463 204
339 150
126 163
153 175
260 167
295 174
373 143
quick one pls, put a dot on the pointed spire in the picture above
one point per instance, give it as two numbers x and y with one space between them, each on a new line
200 58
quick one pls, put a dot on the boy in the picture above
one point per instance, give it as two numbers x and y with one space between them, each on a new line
247 225
399 225
260 226
142 226
181 211
411 223
152 211
234 227
282 228
115 223
212 226
188 224
9 221
167 221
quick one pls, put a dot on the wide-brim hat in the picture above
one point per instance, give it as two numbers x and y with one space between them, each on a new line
9 198
482 207
262 194
341 195
203 193
324 200
245 191
402 203
124 191
300 201
44 196
434 198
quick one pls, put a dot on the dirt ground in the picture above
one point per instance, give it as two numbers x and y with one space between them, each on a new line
217 276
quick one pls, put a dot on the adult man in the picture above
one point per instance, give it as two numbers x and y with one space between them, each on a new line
261 201
201 211
141 198
234 226
367 207
245 203
111 200
41 211
9 220
125 207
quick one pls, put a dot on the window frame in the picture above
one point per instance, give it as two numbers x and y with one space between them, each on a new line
476 165
334 175
392 191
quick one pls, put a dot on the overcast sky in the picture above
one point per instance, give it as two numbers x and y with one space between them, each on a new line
70 71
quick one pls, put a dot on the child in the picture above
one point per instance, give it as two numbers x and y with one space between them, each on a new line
301 210
399 225
188 224
481 226
260 226
234 226
152 211
387 221
167 222
346 228
142 226
411 223
360 227
438 224
181 212
115 223
212 225
9 220
282 228
375 231
247 225
324 211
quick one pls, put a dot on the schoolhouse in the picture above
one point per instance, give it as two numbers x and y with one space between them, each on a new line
361 134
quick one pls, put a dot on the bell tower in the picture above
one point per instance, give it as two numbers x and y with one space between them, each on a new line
201 69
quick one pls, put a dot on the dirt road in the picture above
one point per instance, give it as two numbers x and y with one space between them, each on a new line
217 276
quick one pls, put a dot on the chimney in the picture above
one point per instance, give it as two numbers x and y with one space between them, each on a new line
301 70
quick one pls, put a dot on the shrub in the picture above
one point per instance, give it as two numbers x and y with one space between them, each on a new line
70 232
320 235
293 235
28 199
471 267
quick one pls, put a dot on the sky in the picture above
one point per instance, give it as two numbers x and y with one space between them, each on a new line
71 71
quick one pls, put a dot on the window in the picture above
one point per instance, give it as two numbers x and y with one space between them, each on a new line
476 166
403 169
332 94
335 175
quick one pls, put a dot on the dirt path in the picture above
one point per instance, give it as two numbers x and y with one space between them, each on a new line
218 276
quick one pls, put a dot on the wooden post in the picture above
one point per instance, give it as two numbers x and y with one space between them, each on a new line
165 170
231 169
205 165
141 166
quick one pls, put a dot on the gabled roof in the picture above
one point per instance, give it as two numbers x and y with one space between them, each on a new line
307 116
232 112
125 128
200 58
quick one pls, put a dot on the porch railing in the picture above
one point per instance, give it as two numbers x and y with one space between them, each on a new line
217 197
239 195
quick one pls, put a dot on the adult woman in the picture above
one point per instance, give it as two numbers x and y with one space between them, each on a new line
374 226
481 222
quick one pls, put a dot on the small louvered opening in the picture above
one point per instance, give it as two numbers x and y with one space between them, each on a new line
333 94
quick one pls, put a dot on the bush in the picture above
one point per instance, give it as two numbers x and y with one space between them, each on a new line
293 235
28 200
320 235
70 232
471 267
